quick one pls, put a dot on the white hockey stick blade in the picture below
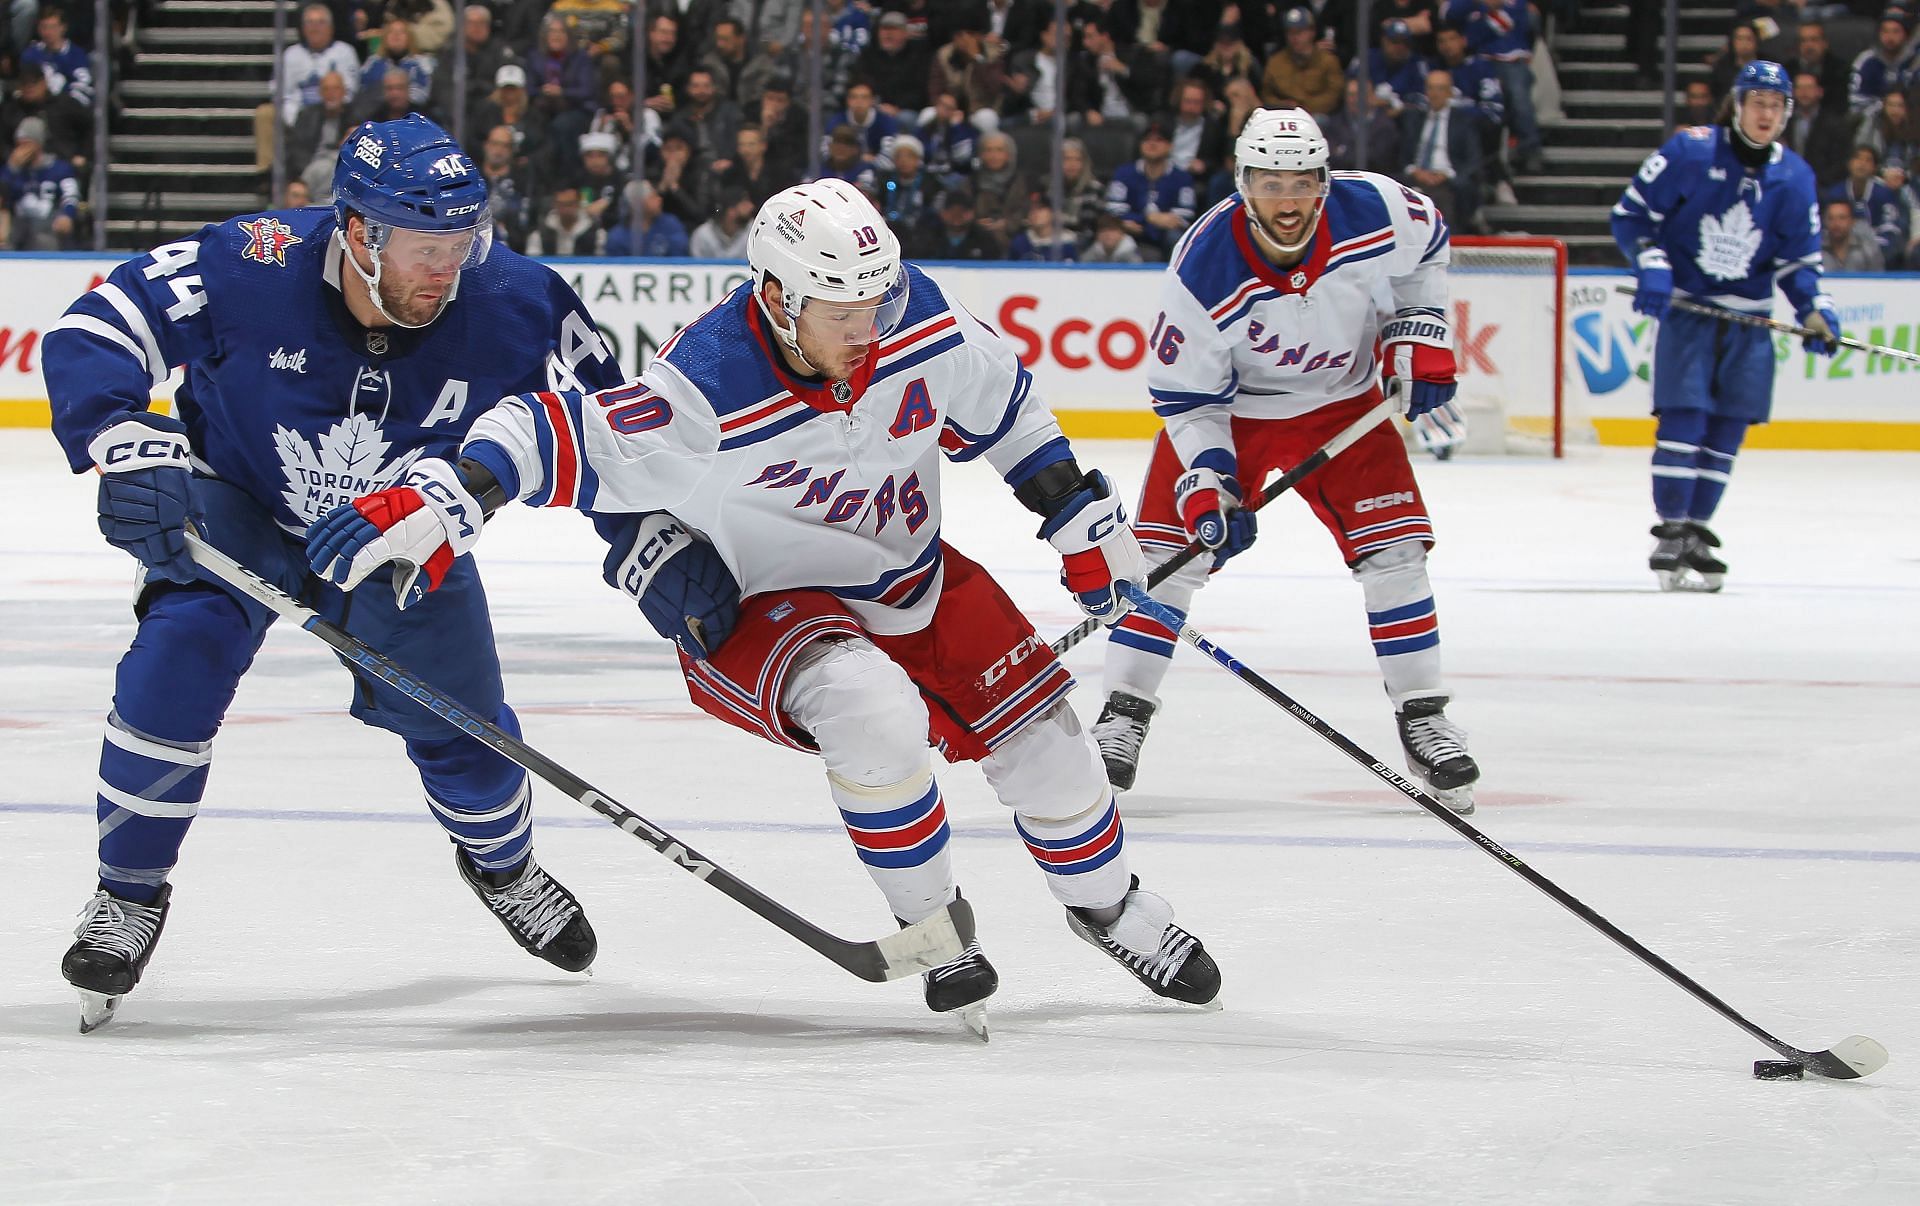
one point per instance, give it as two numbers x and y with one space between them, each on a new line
1858 1052
922 946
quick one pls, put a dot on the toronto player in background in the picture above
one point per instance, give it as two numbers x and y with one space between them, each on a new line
1263 351
771 484
328 352
1719 215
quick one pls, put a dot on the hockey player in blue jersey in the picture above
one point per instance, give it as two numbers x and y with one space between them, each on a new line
327 353
1719 215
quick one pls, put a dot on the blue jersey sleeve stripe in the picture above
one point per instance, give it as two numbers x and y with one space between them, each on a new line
1053 451
544 445
1176 397
977 444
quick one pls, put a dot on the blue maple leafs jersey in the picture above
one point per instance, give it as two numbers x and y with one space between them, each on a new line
1730 231
285 394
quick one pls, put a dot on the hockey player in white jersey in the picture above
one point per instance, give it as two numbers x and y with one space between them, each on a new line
1265 348
775 474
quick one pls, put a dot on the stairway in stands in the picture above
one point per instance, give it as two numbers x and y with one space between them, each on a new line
1609 127
182 147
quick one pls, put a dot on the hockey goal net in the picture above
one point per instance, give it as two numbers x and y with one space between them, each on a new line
1509 330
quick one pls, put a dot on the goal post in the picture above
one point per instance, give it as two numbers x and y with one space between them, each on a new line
1508 297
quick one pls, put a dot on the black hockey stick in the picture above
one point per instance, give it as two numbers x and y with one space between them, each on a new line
1344 439
917 948
1774 324
1848 1059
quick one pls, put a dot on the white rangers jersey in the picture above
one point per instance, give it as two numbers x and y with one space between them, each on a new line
796 484
1238 336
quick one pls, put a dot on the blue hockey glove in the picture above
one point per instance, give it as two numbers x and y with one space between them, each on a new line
146 491
1209 504
683 586
419 527
1824 321
1653 282
1096 546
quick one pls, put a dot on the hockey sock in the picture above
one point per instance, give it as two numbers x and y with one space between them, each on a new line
1717 449
1401 619
481 799
1676 461
1139 650
1084 857
171 690
900 832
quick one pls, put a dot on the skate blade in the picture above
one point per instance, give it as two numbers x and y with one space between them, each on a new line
1459 800
974 1018
1687 582
96 1009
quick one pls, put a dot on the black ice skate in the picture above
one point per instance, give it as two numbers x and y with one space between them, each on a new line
1712 570
1120 731
962 985
536 909
1437 752
1680 558
115 938
1143 939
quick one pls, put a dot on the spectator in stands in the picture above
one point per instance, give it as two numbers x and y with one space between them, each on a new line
429 24
317 131
69 123
1817 57
1111 244
846 160
1227 60
1084 195
1341 129
1193 28
644 228
306 62
1890 128
67 66
772 25
1502 31
1478 91
957 237
1001 192
39 194
1153 198
1442 146
1774 21
795 63
1878 69
1421 17
1821 138
724 236
686 191
1033 92
785 127
849 27
1128 85
599 181
568 229
905 193
1199 134
1698 107
896 68
389 100
1241 101
949 138
396 55
1845 246
1876 206
1743 47
509 106
599 28
615 119
729 58
877 129
1041 239
665 65
965 68
1304 74
709 120
486 54
752 170
562 87
295 195
1399 76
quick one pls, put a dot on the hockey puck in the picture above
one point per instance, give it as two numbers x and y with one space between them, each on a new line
1778 1069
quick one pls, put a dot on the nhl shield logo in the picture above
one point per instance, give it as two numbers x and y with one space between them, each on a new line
267 241
842 392
1299 280
377 343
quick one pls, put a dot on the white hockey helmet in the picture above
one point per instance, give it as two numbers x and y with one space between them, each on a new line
825 242
1281 140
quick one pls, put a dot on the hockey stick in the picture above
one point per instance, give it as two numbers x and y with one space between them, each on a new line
1848 1059
1344 439
917 948
1785 328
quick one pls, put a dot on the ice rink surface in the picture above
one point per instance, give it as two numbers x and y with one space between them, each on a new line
332 1018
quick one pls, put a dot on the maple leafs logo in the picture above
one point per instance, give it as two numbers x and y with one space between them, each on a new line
1728 243
349 461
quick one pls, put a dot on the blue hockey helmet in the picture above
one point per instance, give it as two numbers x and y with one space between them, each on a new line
1761 75
409 175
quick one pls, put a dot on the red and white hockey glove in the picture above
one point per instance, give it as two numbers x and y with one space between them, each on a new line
1097 547
1418 349
1209 505
419 526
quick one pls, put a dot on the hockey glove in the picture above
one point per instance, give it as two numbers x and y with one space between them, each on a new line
1418 358
1653 282
1209 505
419 526
683 587
1824 323
146 491
1097 547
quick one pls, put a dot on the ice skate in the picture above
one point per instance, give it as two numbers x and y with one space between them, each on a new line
1681 561
1712 570
1120 732
1437 752
115 938
961 985
537 910
1159 954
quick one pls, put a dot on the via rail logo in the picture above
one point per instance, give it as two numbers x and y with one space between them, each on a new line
1612 343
